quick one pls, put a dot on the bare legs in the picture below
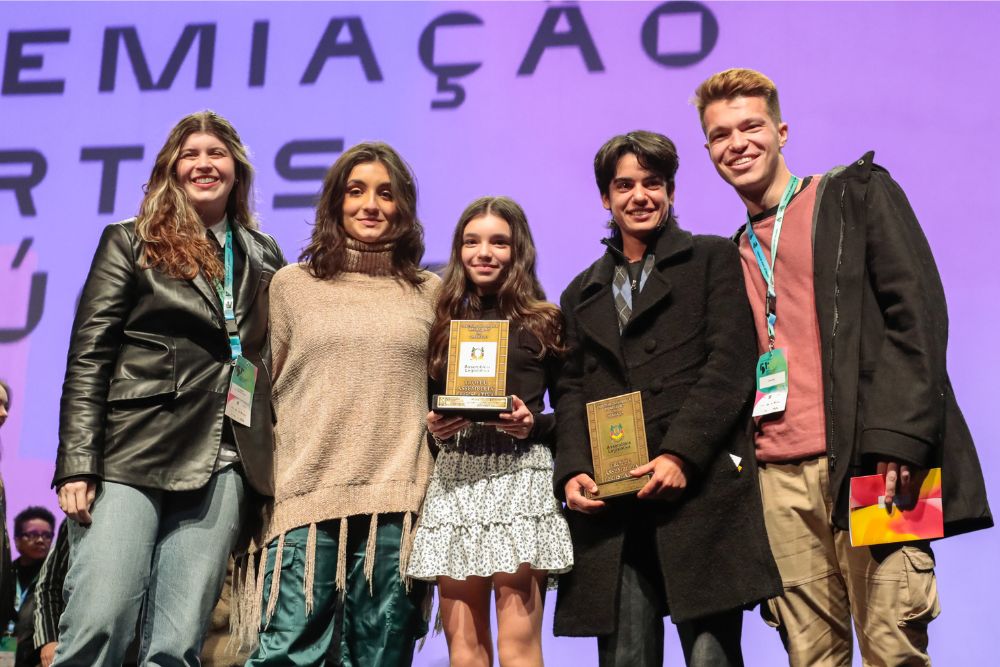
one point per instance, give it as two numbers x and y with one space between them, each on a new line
465 615
520 597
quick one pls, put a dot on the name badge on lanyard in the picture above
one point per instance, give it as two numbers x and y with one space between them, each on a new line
772 383
239 398
772 367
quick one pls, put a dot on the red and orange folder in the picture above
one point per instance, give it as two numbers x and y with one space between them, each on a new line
872 523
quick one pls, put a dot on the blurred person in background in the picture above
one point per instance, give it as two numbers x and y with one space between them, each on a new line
6 581
48 599
33 532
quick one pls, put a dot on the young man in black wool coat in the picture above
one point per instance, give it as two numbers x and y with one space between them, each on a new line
662 312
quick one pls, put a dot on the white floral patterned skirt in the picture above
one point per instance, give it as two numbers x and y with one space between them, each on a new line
489 510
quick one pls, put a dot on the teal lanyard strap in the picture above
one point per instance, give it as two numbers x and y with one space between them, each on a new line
225 292
766 268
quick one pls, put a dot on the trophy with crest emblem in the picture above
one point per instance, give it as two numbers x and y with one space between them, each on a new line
476 383
617 444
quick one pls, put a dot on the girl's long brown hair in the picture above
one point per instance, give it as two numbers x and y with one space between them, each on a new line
324 256
520 298
174 235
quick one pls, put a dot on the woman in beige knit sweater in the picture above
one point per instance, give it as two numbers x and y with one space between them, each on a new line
349 332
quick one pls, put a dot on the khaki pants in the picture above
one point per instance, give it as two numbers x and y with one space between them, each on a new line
890 590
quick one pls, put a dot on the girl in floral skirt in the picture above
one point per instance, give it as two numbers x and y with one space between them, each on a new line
491 525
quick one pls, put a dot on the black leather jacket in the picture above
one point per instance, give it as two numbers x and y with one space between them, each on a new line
148 370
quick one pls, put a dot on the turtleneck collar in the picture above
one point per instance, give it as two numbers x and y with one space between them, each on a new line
375 259
489 304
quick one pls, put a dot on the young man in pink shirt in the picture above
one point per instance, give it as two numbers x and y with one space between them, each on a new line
852 326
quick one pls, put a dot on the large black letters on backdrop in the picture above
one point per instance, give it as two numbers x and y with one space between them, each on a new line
113 37
16 61
24 63
21 184
22 54
110 158
283 165
329 47
446 72
36 297
546 37
651 33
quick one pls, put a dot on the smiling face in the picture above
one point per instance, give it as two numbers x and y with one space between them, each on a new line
637 198
486 252
745 144
369 205
206 171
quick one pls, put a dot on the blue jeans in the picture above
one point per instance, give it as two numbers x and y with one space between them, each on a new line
162 553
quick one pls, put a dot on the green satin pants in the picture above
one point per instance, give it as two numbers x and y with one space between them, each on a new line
376 628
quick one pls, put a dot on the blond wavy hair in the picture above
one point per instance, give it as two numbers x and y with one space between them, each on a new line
172 232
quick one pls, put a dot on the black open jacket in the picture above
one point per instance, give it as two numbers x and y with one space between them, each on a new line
884 333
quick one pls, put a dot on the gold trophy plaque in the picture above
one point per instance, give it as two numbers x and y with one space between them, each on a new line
617 444
476 384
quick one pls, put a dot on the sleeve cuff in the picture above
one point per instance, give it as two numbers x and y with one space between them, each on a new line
884 444
72 467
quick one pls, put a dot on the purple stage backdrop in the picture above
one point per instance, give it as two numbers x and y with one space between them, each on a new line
493 98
